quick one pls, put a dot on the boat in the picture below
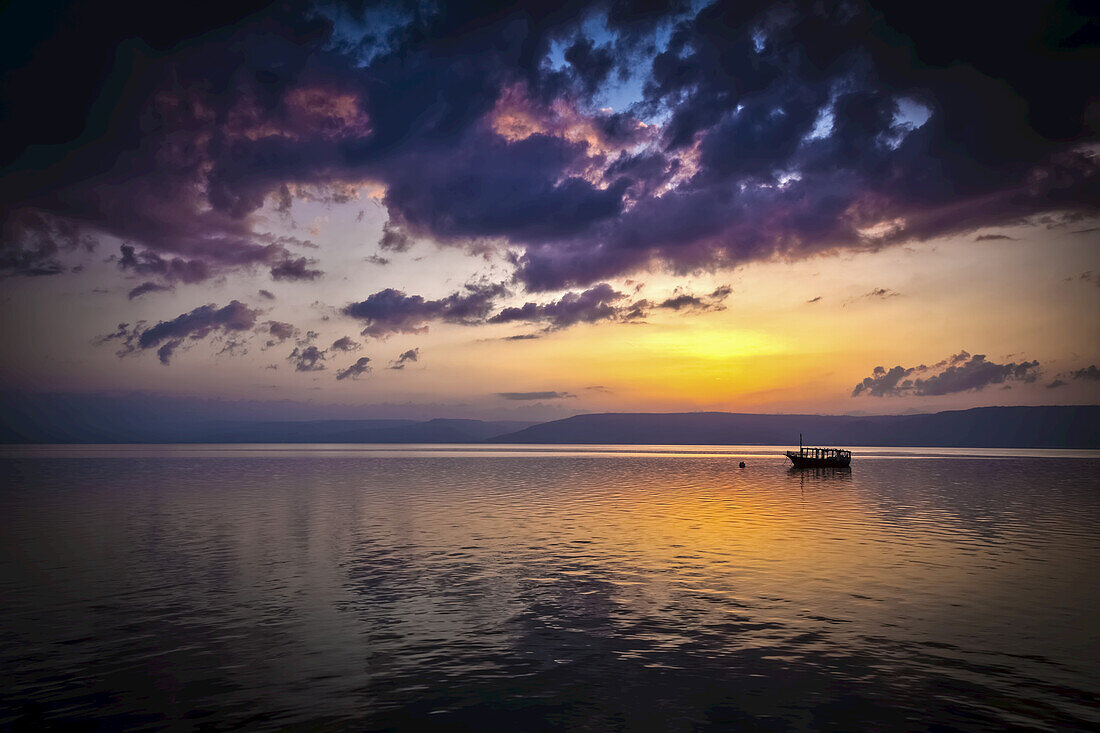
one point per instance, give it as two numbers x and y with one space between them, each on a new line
819 457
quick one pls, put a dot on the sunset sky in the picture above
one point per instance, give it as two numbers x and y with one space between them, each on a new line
533 210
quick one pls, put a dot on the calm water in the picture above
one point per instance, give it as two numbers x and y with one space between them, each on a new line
547 588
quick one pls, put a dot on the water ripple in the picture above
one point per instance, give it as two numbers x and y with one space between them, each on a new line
545 588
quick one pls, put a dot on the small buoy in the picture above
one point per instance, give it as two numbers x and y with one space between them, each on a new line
741 464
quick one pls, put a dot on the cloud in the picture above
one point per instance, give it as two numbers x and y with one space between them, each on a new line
146 287
1089 276
307 359
32 242
391 311
356 370
814 299
993 237
884 382
959 373
1090 373
279 332
167 336
787 134
534 395
295 269
393 239
266 295
1057 383
688 302
412 355
376 260
598 303
346 344
170 269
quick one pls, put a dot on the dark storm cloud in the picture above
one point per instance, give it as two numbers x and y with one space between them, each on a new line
959 373
346 344
590 64
534 395
391 311
412 355
360 367
768 132
267 295
32 242
167 336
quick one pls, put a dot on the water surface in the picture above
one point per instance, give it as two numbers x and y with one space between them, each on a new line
547 587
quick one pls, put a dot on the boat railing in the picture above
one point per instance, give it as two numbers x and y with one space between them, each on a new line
823 453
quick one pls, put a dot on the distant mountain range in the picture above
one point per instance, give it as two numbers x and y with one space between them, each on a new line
226 431
992 427
1001 427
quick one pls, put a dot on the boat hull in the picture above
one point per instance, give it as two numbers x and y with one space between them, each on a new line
808 462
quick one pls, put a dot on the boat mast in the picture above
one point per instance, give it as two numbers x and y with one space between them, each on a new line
800 444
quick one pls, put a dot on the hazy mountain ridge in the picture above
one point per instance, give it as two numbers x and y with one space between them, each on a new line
992 427
1001 427
306 431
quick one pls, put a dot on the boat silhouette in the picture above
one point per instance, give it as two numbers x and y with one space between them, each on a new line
807 457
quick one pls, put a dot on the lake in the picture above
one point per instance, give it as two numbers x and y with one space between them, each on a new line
547 587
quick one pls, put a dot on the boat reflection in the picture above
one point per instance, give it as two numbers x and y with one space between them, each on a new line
821 474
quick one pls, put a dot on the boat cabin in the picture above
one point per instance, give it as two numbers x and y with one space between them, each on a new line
819 457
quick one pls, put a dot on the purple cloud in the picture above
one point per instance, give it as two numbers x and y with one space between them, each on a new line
346 344
295 269
391 311
959 373
147 287
356 370
307 359
279 332
393 239
534 395
170 269
785 134
599 303
167 336
687 302
412 355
